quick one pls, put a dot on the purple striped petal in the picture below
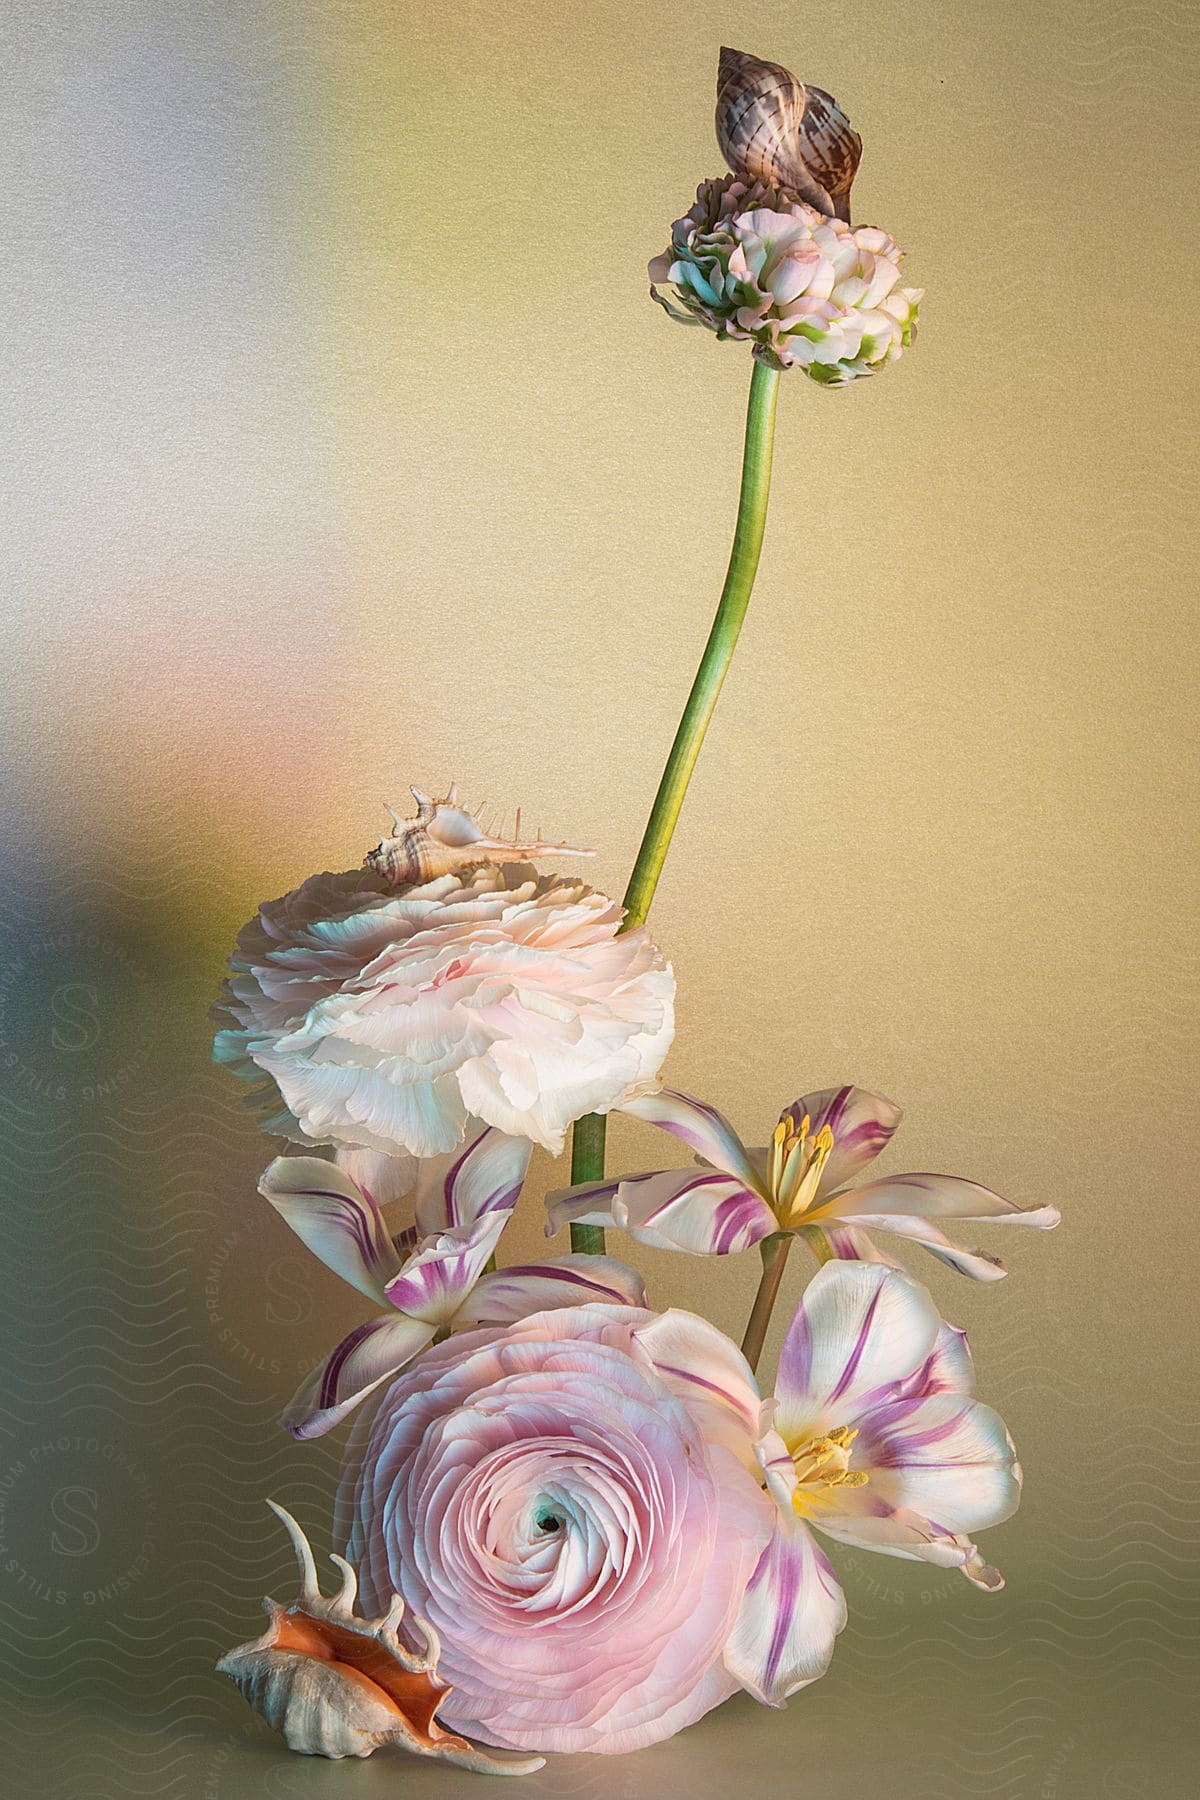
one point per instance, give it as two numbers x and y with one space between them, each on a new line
706 1130
978 1265
704 1215
861 1123
437 1278
944 1457
370 1355
784 1633
334 1218
483 1175
859 1328
506 1295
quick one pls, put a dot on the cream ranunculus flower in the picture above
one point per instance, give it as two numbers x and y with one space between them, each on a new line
387 1018
752 262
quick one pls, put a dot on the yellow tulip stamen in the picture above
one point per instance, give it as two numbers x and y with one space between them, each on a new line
803 1166
822 1465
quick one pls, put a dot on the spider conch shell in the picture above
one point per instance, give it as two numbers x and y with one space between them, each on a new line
773 128
337 1685
444 838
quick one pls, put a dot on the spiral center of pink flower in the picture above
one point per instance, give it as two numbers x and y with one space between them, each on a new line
798 1158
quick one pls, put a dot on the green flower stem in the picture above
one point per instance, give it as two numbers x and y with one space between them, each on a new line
774 1258
587 1145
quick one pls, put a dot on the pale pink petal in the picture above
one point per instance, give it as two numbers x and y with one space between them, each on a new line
483 1175
334 1218
514 1292
948 1369
368 1356
385 1178
862 1123
702 1127
441 1272
784 1635
858 1328
849 1244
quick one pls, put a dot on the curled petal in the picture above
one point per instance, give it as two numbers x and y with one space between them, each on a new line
484 1175
948 1369
332 1215
793 1609
441 1272
978 1265
506 1295
859 1327
862 1124
368 1356
705 1215
702 1127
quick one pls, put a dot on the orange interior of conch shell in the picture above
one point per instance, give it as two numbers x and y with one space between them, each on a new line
413 1694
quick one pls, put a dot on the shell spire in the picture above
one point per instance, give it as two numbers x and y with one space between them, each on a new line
338 1685
444 838
774 128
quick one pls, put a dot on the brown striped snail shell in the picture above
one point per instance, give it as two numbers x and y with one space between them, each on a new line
772 127
336 1685
444 839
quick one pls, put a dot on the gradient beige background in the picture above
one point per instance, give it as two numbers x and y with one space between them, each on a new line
347 451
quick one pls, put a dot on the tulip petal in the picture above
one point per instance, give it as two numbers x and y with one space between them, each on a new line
948 1369
506 1295
712 1378
441 1272
930 1197
945 1457
704 1215
978 1265
861 1122
859 1328
336 1220
784 1634
364 1359
483 1175
384 1178
702 1127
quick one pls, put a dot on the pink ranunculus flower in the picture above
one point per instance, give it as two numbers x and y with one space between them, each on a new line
387 1019
568 1503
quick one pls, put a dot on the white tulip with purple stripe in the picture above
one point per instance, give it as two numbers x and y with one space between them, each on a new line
802 1180
876 1442
433 1277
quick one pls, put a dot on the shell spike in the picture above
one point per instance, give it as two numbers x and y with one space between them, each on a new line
347 1594
433 1643
335 1684
310 1589
445 839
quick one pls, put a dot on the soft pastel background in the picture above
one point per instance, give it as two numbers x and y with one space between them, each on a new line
345 451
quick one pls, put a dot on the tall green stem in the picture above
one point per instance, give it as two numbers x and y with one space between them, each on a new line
774 1257
587 1147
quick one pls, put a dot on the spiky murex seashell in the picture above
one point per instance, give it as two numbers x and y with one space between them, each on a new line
444 838
337 1685
772 127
